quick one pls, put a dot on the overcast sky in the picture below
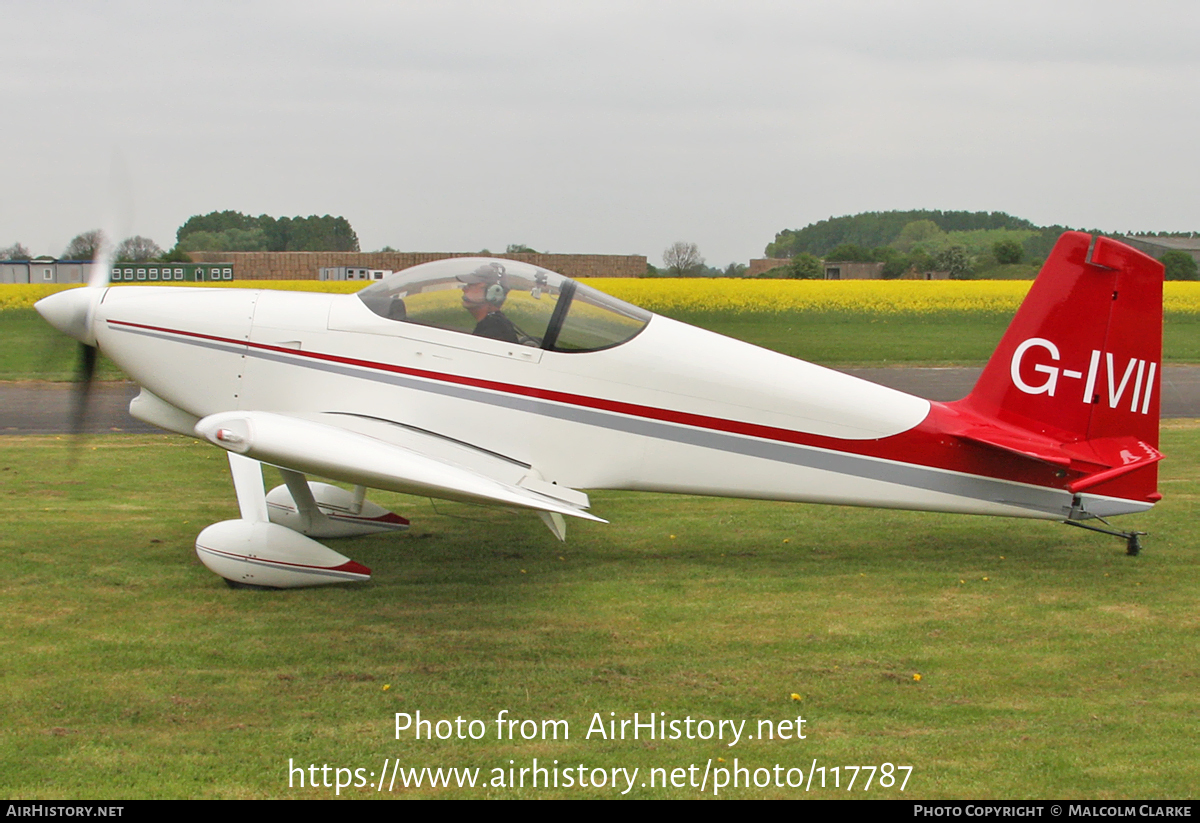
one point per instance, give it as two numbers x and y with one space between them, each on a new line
595 127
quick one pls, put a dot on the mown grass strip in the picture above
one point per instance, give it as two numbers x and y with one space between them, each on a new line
1051 665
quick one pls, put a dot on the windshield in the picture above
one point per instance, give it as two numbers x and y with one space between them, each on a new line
505 300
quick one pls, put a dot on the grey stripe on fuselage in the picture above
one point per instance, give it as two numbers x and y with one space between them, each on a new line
1009 493
180 337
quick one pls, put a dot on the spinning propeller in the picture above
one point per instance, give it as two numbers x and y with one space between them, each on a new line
72 311
85 370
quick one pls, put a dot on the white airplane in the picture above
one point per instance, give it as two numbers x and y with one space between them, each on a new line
498 382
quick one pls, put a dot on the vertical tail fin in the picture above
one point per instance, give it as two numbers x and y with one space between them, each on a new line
1081 364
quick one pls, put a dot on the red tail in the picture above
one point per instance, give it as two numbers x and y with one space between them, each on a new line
1081 365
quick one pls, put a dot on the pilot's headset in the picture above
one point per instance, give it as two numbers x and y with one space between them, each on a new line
492 274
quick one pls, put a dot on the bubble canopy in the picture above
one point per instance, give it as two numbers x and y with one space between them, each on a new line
506 300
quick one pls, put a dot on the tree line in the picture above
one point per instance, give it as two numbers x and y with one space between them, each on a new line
873 229
234 231
965 244
216 231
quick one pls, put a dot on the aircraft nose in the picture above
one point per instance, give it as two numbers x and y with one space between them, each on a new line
71 312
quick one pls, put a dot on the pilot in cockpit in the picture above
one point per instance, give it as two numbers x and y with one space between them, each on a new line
484 293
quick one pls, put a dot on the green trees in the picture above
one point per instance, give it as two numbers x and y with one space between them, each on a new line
215 223
138 250
955 260
970 244
1179 265
1007 251
873 229
805 266
918 231
232 239
234 231
850 252
83 246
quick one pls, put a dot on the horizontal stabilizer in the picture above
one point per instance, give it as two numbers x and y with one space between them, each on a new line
328 451
1016 442
1121 456
1099 460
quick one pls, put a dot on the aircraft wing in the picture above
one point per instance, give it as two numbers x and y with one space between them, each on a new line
383 455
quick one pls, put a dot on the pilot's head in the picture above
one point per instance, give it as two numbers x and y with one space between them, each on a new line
484 286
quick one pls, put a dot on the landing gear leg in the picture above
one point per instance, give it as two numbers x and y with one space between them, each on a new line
254 553
1133 540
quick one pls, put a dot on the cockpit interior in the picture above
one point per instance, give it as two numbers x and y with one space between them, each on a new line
506 300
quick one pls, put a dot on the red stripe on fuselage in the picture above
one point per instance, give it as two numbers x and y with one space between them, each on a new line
927 444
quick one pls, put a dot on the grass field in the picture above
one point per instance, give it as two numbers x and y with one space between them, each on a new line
997 658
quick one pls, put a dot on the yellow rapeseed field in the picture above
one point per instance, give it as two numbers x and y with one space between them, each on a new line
24 295
670 296
858 296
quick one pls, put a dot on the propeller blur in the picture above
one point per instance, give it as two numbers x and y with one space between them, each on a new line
498 382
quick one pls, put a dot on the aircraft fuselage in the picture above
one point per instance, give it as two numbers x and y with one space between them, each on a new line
674 409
